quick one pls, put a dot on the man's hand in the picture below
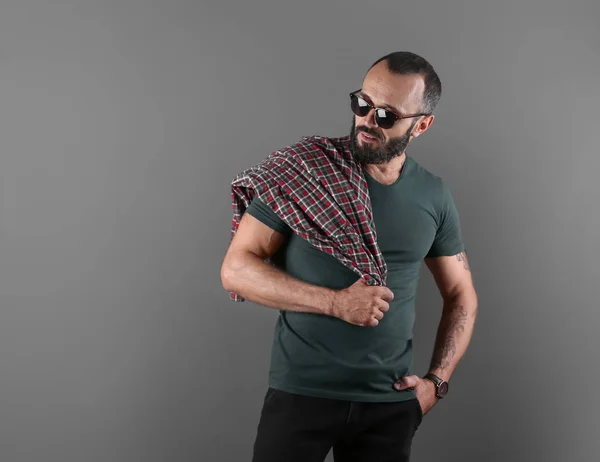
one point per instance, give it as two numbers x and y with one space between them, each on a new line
361 304
424 388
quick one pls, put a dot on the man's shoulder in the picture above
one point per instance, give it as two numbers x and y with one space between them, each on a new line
317 143
430 185
315 151
427 176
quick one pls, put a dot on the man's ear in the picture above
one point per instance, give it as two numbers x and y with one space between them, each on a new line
423 125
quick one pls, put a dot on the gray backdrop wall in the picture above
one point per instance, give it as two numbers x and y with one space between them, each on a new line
122 124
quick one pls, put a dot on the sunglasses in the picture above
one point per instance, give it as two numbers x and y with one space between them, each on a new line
383 117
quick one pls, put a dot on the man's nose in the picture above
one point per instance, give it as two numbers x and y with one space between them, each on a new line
370 119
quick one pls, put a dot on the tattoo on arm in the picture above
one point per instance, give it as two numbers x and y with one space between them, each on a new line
445 347
463 257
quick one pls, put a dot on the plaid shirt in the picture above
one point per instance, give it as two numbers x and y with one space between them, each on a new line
317 188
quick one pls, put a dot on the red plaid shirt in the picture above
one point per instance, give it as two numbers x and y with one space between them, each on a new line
319 190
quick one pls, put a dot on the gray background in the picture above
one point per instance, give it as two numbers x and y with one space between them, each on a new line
122 124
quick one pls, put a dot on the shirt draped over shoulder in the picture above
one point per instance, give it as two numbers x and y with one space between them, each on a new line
319 191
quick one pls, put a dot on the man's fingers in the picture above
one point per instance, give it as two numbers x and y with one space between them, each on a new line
411 380
387 294
378 315
382 305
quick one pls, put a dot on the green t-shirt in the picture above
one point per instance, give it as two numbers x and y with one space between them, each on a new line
322 356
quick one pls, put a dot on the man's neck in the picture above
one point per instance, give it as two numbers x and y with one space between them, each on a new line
389 172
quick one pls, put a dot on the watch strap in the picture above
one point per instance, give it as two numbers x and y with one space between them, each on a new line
434 378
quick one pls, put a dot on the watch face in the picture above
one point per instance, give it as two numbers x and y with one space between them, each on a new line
443 388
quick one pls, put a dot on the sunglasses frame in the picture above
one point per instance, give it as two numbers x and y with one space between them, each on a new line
396 117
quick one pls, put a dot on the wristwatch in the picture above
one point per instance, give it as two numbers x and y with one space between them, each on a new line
440 384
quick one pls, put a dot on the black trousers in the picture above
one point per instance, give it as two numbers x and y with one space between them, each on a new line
298 428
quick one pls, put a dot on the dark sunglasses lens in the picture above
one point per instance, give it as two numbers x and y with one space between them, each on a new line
359 106
384 119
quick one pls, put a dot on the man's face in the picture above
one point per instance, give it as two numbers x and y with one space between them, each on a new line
402 94
377 152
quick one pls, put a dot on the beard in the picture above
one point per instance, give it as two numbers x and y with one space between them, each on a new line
366 154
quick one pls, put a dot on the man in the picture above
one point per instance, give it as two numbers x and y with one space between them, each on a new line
341 373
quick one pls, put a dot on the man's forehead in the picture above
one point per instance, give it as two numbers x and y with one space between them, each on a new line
403 92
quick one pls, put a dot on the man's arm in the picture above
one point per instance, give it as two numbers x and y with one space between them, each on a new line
452 275
245 272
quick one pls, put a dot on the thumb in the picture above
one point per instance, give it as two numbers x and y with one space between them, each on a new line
406 382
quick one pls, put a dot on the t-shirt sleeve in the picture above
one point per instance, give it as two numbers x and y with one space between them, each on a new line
261 211
448 239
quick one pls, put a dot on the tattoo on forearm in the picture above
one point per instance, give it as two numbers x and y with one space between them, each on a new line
445 347
463 257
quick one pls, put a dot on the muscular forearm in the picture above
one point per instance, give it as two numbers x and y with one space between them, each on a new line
454 334
252 278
